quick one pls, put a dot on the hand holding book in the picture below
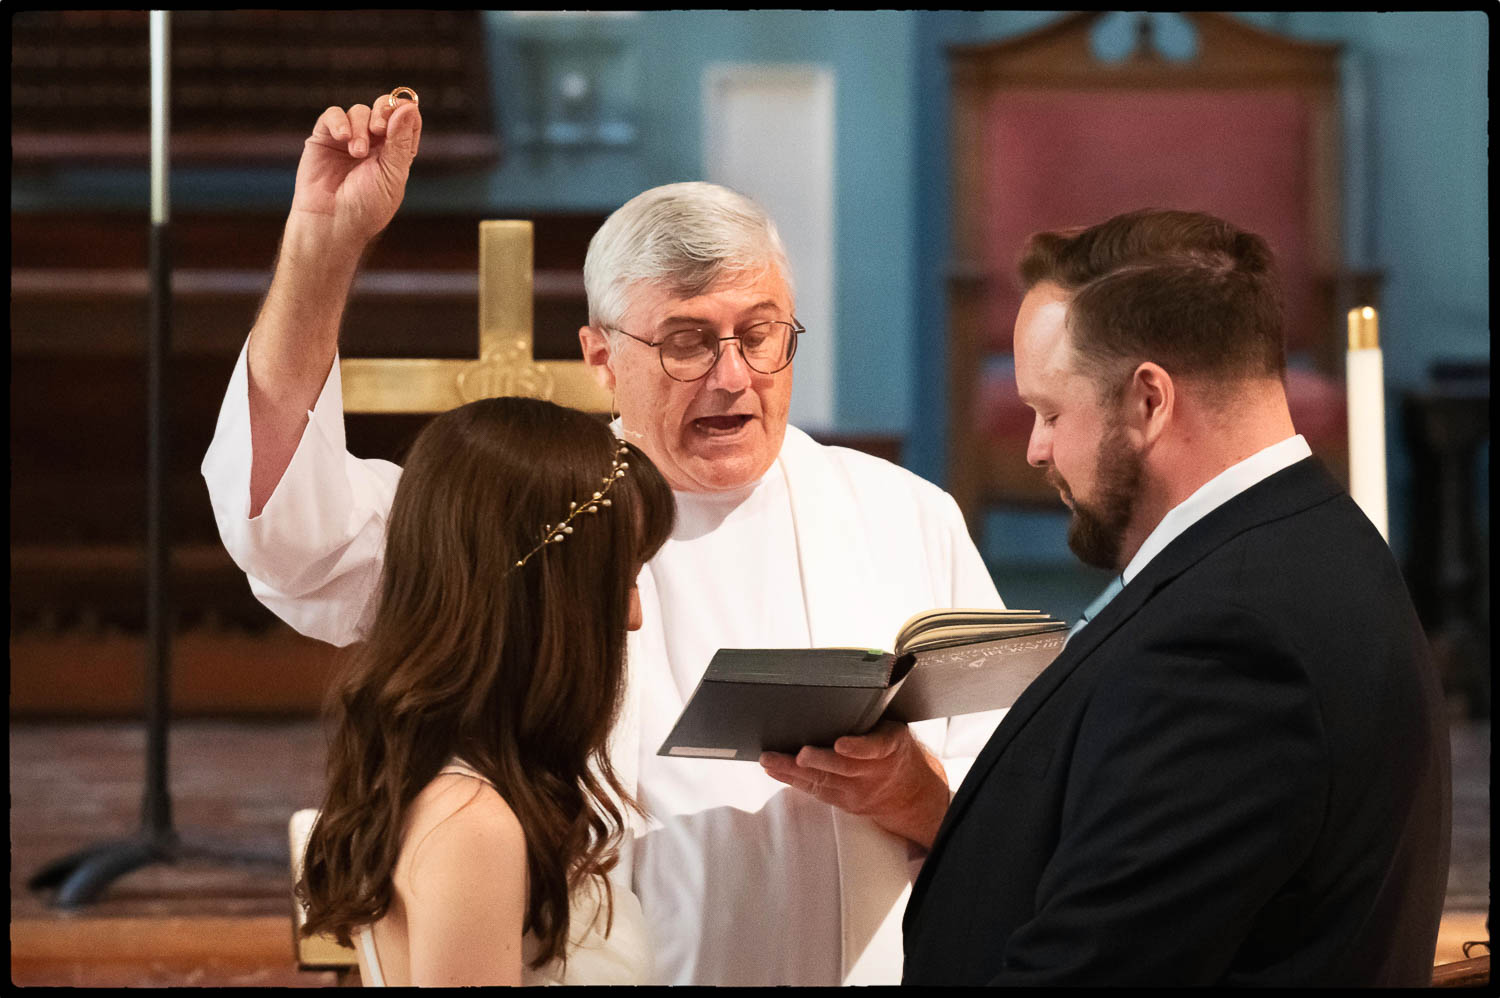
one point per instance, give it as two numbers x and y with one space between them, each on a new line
885 774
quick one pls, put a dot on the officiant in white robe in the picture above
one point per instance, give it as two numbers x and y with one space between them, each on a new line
745 874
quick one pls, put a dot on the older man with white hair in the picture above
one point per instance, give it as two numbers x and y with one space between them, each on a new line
791 872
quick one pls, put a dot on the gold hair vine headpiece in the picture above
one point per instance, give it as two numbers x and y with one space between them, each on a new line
559 533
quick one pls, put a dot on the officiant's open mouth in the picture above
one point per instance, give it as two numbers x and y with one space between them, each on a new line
721 426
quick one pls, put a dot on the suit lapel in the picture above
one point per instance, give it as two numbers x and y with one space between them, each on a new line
1077 650
1289 491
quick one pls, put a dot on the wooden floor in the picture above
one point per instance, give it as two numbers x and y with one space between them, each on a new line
199 921
234 785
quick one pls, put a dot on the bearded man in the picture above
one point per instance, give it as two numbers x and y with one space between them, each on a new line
1237 771
780 543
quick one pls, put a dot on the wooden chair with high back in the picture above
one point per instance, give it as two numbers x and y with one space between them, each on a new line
315 953
1046 135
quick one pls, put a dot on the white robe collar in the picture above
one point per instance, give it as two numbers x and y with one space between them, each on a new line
849 604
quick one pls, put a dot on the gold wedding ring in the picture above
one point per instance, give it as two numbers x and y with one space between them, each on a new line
391 97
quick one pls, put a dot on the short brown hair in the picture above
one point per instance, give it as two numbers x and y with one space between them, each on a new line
1182 289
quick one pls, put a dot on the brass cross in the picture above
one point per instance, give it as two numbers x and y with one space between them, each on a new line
505 365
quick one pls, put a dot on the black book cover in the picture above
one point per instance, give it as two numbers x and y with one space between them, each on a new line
752 700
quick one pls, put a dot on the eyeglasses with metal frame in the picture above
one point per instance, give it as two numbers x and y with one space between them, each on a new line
768 347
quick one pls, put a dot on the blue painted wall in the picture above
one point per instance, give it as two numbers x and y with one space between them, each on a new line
1420 78
872 57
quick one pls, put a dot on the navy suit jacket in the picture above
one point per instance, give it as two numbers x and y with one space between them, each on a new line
1237 773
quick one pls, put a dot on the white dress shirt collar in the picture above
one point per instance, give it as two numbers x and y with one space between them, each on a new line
1214 493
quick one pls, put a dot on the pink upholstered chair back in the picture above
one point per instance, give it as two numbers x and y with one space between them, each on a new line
1058 159
1047 136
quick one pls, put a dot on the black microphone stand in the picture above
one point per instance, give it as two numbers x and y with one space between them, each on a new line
82 876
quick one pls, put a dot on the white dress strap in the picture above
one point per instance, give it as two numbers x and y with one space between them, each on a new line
457 767
369 961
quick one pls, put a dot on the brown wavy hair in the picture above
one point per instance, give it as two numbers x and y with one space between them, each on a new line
520 671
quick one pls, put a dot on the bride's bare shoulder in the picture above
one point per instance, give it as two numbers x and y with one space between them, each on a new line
460 885
460 825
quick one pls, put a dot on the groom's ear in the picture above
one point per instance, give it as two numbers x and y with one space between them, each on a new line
597 356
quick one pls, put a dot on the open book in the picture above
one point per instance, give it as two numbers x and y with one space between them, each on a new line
945 662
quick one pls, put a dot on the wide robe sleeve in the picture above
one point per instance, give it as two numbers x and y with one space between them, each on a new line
313 555
963 578
1196 788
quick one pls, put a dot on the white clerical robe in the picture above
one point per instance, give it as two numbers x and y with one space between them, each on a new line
743 880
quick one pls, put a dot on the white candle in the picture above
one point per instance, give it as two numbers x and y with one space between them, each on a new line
1366 411
161 104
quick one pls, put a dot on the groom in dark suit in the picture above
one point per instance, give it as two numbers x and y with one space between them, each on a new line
1237 771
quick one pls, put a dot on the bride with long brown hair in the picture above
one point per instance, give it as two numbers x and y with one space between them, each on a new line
471 815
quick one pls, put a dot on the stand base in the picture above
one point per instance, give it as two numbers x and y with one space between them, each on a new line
82 877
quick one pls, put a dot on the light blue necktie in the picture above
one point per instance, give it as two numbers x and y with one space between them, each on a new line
1100 602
